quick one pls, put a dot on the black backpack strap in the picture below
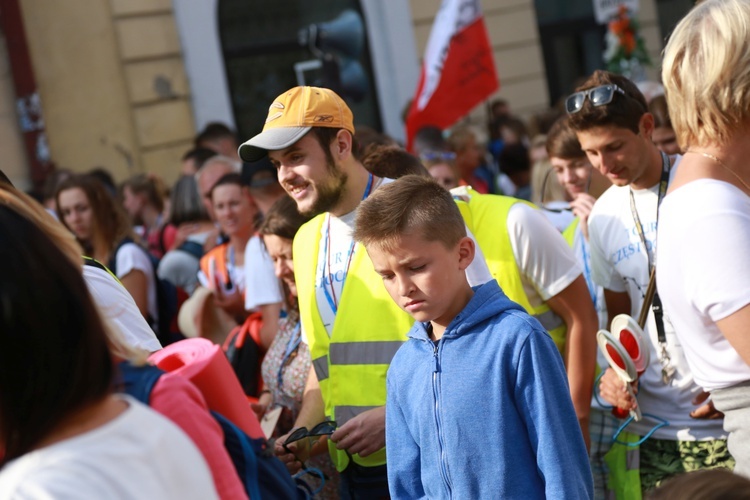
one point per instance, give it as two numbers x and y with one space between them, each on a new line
139 381
112 264
162 245
193 248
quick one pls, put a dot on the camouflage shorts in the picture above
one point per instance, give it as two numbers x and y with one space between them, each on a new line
661 459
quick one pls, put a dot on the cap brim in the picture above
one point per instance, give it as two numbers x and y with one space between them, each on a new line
270 140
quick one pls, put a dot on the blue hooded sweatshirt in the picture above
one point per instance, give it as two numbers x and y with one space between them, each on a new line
485 412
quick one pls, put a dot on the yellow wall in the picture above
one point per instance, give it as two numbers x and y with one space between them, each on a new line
12 153
112 84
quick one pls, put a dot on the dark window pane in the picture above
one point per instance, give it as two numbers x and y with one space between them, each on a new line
259 41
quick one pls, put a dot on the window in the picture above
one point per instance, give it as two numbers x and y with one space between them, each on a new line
260 48
572 43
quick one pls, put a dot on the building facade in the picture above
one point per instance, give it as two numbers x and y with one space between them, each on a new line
125 84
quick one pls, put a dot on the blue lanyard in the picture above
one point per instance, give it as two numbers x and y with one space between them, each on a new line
291 346
587 270
330 295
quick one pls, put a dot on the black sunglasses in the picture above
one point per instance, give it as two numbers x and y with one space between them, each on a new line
599 96
322 429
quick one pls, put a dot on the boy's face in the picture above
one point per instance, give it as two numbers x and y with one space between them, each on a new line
618 153
425 278
572 174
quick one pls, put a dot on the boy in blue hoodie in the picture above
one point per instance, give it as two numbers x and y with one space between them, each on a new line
477 403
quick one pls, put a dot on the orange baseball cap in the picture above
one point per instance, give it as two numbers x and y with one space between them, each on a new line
292 115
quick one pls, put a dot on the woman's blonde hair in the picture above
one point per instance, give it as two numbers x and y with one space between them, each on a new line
706 73
26 206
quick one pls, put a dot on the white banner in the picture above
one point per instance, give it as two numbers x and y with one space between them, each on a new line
605 10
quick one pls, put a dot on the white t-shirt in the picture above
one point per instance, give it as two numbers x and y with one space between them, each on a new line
703 275
140 454
132 257
582 251
620 263
334 261
559 214
263 287
546 262
117 305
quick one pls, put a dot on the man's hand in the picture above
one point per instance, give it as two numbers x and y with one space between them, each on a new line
614 391
300 452
582 205
364 434
706 411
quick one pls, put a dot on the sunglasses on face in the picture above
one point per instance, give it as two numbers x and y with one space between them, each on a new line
599 96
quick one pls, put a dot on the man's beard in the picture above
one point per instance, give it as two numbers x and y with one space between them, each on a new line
330 193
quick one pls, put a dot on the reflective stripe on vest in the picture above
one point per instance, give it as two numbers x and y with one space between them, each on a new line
363 353
346 413
352 363
321 367
487 211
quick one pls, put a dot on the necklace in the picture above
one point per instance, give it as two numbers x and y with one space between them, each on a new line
726 167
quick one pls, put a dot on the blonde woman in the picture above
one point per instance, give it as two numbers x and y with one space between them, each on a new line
704 226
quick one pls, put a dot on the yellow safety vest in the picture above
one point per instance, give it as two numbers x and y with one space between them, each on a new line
624 463
486 217
351 364
570 232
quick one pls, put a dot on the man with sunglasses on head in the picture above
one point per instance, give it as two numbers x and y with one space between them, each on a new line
611 120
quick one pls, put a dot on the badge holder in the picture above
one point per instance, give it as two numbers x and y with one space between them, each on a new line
626 354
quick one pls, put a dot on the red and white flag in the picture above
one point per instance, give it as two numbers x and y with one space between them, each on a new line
458 71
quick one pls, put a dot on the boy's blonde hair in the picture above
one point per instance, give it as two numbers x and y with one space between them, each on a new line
410 205
706 73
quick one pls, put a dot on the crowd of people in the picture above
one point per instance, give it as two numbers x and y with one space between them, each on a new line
406 324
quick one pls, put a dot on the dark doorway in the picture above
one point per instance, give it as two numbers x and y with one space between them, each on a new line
572 43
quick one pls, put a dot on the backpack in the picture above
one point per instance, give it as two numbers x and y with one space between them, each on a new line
167 301
242 347
262 474
194 249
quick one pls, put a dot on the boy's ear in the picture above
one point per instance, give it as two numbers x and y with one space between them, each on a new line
646 125
466 252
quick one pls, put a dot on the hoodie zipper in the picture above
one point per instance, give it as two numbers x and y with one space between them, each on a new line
436 393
